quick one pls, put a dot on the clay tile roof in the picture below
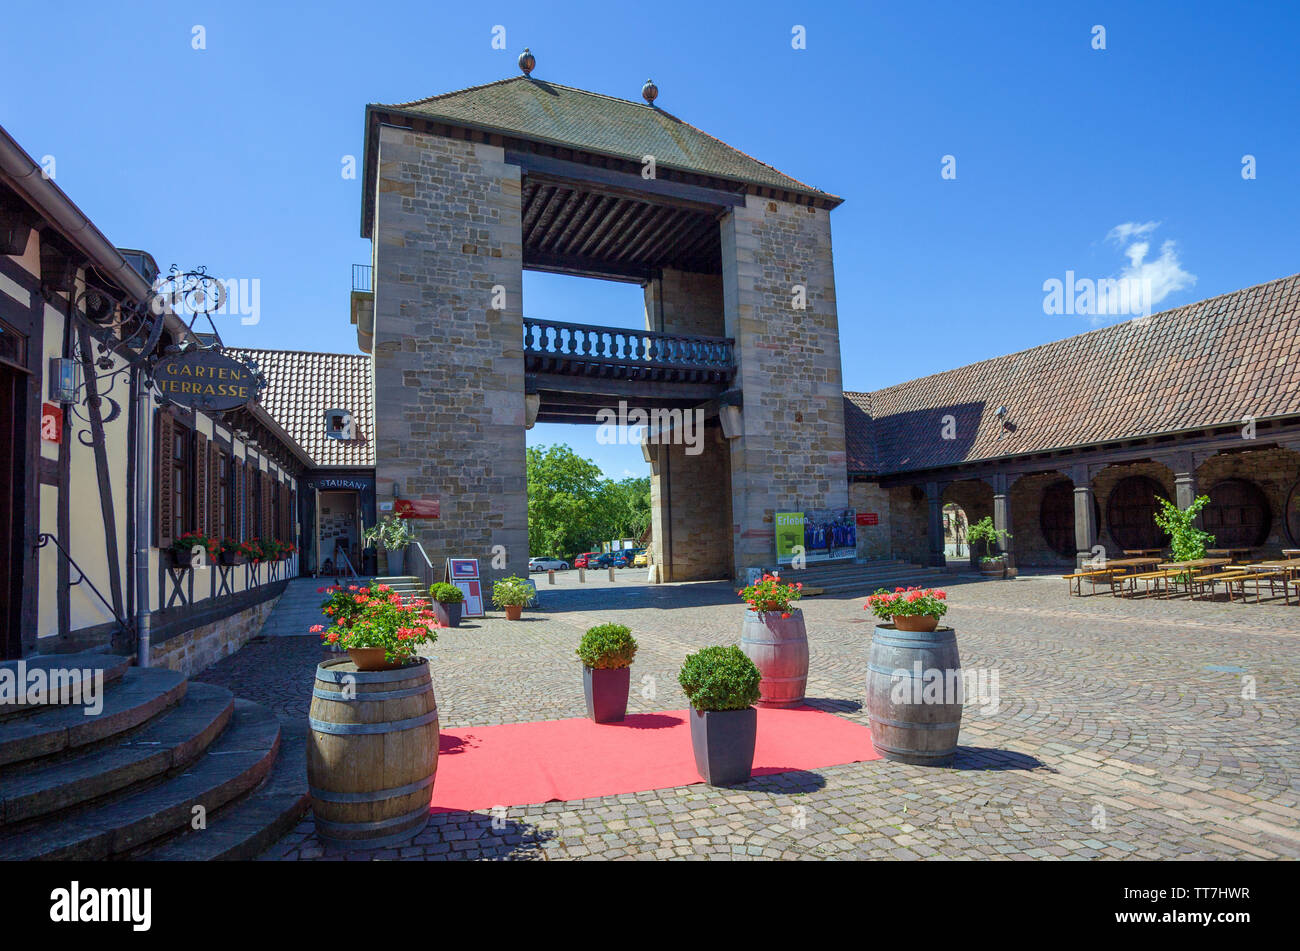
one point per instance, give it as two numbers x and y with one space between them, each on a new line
300 386
591 122
1210 363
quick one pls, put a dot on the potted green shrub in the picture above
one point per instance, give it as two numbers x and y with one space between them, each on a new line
722 685
447 602
391 535
606 652
510 595
983 532
910 609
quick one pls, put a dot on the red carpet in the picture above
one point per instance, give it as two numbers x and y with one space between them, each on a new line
517 764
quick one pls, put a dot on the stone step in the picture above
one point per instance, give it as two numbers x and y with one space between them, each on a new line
234 764
868 584
109 667
140 695
168 742
250 825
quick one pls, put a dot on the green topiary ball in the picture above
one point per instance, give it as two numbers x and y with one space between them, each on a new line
607 647
720 678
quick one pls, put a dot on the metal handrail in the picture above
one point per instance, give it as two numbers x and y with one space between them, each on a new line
424 566
342 553
45 539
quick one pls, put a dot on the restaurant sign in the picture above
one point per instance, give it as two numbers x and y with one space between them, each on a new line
205 379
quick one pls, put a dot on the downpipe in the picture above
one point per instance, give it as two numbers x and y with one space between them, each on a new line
143 520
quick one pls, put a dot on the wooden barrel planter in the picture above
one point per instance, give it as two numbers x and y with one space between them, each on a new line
908 723
779 649
372 753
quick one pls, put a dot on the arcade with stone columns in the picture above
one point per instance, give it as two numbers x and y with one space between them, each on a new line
466 190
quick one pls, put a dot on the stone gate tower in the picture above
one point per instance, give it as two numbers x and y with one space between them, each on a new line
464 191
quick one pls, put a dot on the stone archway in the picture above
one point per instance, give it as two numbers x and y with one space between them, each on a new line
1127 517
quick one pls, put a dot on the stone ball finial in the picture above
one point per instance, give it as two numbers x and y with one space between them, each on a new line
527 61
650 92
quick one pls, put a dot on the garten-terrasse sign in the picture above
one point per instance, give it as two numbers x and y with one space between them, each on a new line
205 379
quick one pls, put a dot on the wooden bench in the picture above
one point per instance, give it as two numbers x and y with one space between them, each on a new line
1239 578
1149 578
1094 576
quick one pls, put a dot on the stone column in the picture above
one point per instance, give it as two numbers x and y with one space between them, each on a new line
1184 466
448 345
934 530
1085 515
1002 517
690 482
778 285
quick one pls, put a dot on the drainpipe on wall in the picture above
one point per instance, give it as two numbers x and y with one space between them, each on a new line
143 518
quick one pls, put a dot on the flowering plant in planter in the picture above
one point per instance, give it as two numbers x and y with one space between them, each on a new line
769 594
232 552
376 617
907 602
183 548
273 549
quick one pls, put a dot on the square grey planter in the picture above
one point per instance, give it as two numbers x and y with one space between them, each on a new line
447 612
723 741
606 690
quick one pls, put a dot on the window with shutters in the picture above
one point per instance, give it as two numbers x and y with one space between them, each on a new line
182 481
255 503
225 496
277 526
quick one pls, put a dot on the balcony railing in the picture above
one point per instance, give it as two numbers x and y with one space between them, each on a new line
362 278
551 346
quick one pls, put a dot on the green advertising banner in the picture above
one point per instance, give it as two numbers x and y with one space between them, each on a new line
789 533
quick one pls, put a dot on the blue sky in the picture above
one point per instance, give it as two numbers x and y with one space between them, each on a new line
230 156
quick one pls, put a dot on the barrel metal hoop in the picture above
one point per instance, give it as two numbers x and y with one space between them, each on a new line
332 828
326 795
890 639
903 724
337 695
362 729
325 671
909 671
919 754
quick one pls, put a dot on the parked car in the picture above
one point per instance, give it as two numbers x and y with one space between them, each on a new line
641 559
586 559
547 564
613 559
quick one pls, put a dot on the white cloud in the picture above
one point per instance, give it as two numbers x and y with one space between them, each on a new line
1153 278
1131 229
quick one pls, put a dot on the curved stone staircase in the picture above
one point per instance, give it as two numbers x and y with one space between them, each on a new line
125 782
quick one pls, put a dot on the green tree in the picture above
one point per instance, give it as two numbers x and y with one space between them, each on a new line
563 509
1187 541
572 508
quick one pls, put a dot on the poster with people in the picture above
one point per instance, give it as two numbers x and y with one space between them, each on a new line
827 535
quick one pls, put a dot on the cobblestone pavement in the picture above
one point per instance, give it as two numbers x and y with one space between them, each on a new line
1125 728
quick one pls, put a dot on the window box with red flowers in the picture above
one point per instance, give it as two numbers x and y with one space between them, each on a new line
774 638
231 553
181 554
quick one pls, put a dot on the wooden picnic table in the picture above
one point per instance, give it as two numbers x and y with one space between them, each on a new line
1132 562
1232 554
1197 563
1291 552
1144 552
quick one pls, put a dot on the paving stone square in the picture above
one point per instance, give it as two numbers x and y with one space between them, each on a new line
1117 734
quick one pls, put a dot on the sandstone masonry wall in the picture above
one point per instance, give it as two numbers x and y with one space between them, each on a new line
448 364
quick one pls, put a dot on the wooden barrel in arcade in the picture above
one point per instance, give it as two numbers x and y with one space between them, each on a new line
914 694
372 753
779 649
